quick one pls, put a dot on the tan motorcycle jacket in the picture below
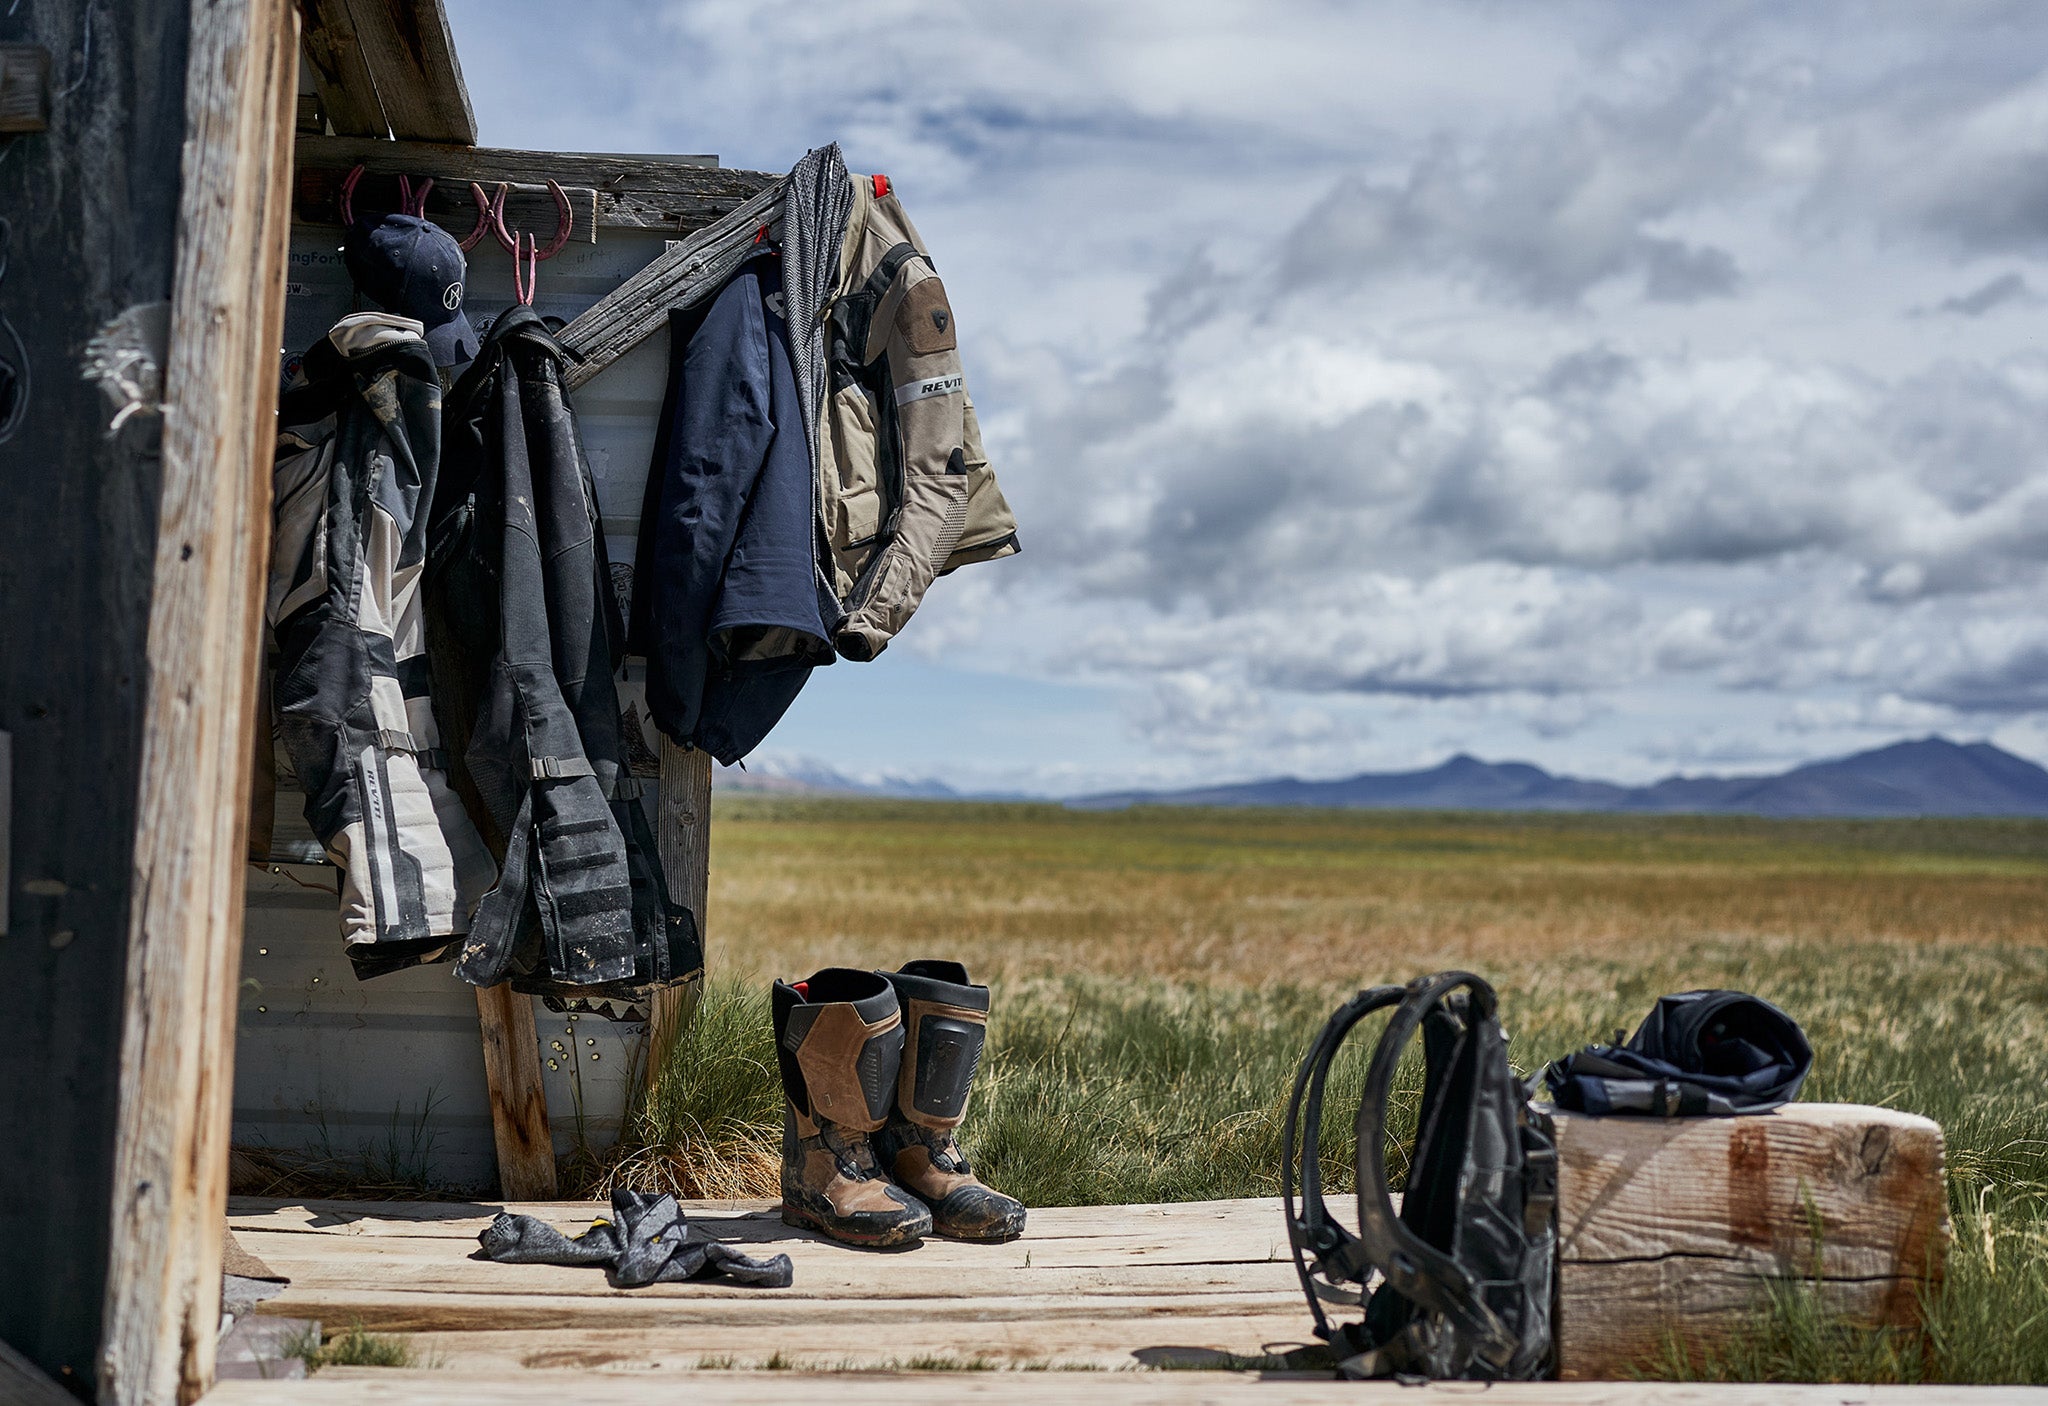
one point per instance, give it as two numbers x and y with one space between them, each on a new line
905 489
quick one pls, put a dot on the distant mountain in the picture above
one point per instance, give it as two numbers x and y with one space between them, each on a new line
805 776
1932 776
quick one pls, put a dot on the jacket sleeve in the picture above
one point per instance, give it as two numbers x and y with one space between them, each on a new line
913 325
717 442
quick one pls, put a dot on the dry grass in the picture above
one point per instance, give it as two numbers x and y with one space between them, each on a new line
1022 891
1158 973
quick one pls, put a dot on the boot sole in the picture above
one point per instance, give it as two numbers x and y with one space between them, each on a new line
979 1239
804 1220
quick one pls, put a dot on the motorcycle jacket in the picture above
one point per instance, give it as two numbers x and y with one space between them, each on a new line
358 450
526 632
905 489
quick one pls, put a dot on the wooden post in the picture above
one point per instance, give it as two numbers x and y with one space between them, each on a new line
519 1103
162 1308
685 843
1673 1226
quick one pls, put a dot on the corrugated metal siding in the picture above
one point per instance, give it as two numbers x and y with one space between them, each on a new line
388 1074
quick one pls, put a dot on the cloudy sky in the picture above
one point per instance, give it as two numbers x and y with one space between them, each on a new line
1626 388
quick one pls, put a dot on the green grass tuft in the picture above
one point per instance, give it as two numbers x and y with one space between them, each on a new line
352 1347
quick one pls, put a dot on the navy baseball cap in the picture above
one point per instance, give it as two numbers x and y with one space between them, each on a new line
413 267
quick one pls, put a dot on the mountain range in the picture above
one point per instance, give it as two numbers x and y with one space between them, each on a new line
1931 776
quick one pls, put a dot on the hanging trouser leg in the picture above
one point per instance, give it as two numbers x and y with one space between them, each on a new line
945 1020
582 888
839 1041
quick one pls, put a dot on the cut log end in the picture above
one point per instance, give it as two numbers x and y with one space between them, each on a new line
1673 1230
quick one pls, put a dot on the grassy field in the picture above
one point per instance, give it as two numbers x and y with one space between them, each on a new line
1158 973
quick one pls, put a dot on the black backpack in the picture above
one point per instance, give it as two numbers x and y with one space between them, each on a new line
1468 1265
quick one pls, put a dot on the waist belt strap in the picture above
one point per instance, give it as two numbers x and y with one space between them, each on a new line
560 768
392 740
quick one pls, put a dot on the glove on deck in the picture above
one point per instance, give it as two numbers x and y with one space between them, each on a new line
648 1241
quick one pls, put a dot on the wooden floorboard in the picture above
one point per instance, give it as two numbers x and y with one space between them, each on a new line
1108 1292
371 1387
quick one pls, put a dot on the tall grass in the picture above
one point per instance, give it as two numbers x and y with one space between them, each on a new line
1158 975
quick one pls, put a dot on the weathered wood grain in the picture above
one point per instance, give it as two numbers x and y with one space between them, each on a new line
678 194
1659 1233
387 68
91 209
687 1343
341 72
411 58
366 1386
519 1102
162 1304
24 88
638 308
1676 1226
683 835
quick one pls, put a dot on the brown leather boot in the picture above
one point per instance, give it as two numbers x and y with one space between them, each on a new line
839 1040
945 1019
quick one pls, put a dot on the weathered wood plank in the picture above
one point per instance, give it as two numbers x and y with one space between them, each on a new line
1102 1342
638 308
220 382
74 609
1676 1226
341 73
1665 1226
678 194
24 88
411 57
519 1102
341 1386
683 829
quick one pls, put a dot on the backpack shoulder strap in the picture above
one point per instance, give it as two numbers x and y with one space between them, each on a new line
1413 1268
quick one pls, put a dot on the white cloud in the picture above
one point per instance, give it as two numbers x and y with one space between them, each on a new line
1375 378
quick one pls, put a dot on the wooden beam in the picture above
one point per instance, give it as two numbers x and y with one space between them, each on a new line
411 56
387 68
341 75
684 839
162 1309
519 1101
673 193
638 308
1673 1226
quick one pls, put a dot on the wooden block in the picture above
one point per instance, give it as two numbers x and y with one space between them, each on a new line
24 88
1675 1226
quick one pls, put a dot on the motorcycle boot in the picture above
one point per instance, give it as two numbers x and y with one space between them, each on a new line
839 1041
945 1020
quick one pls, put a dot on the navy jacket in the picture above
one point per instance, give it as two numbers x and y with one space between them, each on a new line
726 597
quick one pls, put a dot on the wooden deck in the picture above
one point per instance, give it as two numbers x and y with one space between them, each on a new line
1107 1293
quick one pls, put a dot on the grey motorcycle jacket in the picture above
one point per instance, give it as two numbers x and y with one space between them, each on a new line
357 453
526 632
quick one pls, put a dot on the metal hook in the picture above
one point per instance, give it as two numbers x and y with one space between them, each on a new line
348 191
532 257
484 215
565 222
411 201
